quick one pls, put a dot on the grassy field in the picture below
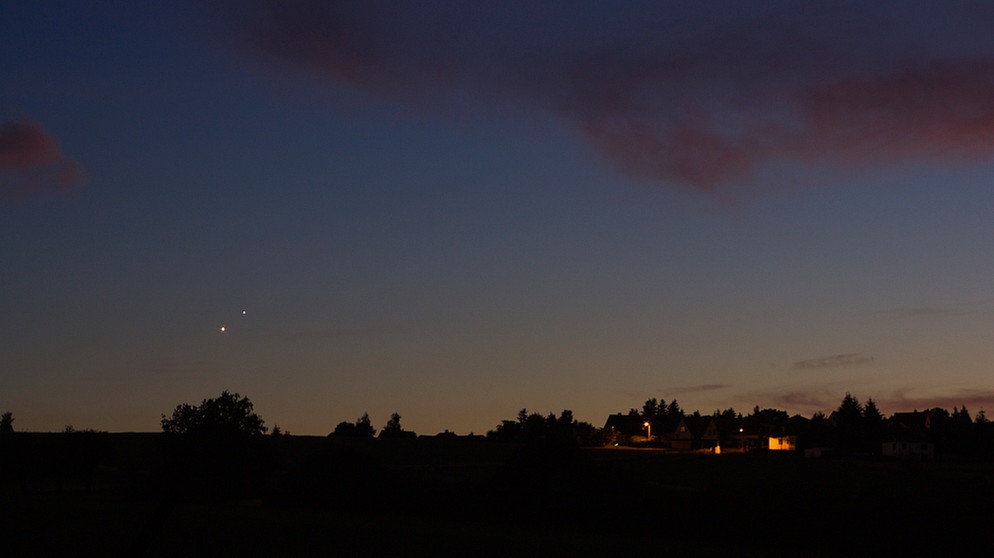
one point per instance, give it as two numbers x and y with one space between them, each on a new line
431 497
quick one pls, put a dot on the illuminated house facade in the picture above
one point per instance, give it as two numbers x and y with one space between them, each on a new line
783 443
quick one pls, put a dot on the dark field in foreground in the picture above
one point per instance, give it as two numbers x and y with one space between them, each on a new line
429 497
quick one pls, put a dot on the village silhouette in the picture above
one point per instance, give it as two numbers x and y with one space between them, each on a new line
218 481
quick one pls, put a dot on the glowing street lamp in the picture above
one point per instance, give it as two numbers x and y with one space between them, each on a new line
649 428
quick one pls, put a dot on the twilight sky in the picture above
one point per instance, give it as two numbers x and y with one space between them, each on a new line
454 210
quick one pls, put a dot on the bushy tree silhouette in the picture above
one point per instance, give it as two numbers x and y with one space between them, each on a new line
535 428
215 450
364 427
7 423
361 428
394 430
228 414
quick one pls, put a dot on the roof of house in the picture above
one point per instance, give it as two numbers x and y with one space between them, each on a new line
625 423
916 420
698 425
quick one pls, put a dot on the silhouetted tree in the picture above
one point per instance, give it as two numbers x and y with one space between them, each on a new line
983 436
394 430
361 428
817 432
215 449
850 409
873 427
871 413
728 414
961 418
533 428
663 416
850 432
344 429
364 427
393 425
765 422
959 435
667 416
650 409
7 423
228 414
70 429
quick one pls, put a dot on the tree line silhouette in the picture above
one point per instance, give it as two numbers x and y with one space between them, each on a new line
528 472
852 428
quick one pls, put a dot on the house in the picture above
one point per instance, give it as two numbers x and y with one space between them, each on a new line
921 451
695 432
910 436
744 440
783 443
918 422
753 433
620 428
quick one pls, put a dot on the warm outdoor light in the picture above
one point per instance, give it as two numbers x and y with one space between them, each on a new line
648 434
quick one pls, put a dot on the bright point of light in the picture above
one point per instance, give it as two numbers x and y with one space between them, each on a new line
243 312
223 329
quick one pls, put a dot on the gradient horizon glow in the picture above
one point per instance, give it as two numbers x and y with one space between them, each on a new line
457 210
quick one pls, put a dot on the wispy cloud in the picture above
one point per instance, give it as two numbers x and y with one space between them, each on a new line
702 94
913 312
805 402
918 312
700 388
31 161
834 361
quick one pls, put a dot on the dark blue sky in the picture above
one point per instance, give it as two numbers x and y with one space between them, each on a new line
456 210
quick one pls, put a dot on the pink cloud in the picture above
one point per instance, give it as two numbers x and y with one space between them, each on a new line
936 109
939 111
25 144
683 95
32 162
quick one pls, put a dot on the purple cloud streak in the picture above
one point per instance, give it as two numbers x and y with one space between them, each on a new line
833 361
702 96
32 162
700 388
